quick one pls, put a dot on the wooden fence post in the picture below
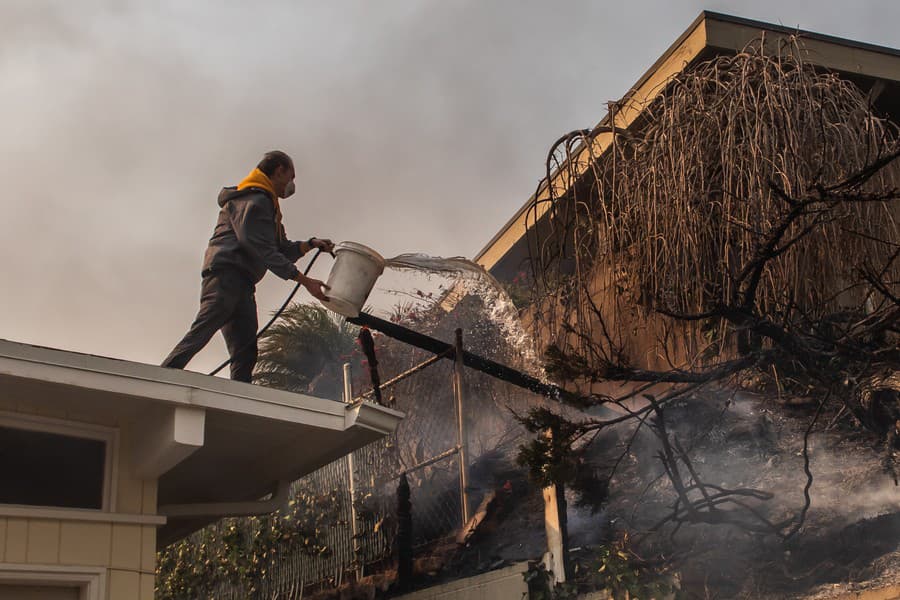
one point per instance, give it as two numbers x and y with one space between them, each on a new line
556 527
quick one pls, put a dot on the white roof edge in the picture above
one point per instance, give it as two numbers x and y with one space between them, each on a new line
372 416
176 386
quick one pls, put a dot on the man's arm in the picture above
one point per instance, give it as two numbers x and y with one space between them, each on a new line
315 287
253 222
323 244
295 250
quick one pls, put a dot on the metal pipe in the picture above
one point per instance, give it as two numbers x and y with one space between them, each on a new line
412 371
473 361
458 371
348 398
431 461
348 385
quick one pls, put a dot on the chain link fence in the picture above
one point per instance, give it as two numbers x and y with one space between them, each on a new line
359 491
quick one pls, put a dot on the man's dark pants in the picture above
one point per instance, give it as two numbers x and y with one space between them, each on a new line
227 302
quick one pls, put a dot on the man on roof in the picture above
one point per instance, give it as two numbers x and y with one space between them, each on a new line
248 240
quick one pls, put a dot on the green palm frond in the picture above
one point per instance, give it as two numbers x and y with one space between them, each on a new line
304 343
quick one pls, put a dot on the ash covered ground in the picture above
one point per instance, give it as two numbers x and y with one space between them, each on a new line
849 541
850 538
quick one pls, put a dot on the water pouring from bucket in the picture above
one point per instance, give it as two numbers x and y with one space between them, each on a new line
357 267
355 270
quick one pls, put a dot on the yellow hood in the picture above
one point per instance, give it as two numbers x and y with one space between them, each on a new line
260 180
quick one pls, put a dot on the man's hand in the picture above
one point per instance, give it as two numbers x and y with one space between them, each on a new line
313 286
322 244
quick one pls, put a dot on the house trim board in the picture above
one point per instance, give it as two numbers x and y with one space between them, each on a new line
91 581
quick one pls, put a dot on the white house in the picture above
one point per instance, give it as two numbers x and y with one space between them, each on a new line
102 461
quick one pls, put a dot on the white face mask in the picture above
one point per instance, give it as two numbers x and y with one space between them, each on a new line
289 189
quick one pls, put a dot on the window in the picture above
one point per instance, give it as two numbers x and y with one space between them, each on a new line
38 592
52 463
21 582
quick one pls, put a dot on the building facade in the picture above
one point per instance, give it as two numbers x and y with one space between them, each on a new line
104 461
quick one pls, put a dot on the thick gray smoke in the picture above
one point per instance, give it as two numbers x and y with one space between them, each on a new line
418 126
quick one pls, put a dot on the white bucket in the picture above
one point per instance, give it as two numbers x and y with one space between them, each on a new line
353 274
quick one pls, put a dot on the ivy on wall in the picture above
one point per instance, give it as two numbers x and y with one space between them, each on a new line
239 553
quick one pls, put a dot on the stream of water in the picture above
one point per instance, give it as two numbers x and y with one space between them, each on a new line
473 279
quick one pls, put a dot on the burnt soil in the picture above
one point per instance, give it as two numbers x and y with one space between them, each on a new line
851 535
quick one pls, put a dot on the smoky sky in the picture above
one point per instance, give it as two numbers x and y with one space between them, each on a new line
416 126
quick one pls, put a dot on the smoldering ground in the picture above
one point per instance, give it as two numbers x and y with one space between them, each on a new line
745 441
734 441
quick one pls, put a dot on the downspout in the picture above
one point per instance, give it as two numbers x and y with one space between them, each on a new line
219 510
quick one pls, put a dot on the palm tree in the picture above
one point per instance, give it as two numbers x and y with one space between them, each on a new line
304 351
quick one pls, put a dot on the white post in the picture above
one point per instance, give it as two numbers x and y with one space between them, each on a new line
554 559
556 528
348 385
348 398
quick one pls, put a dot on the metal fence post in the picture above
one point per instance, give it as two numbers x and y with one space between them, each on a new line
461 434
348 398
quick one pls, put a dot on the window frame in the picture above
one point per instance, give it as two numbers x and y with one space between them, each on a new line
90 581
77 429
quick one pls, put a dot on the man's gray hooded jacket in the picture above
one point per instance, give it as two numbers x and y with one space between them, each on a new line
248 238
